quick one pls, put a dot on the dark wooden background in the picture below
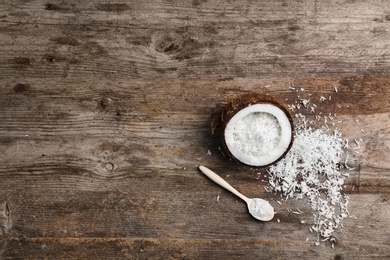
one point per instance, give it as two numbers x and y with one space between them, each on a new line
105 112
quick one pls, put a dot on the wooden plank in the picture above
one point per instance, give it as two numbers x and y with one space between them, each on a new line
105 113
170 248
85 171
193 39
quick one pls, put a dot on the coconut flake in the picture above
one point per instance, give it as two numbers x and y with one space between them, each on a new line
310 170
304 102
259 134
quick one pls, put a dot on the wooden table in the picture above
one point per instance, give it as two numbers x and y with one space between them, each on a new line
105 112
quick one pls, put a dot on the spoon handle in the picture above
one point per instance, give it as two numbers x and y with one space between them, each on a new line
218 180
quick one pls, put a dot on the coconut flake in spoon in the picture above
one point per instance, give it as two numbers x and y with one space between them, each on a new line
258 208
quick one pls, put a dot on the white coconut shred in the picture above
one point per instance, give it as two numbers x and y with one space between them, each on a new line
311 170
259 126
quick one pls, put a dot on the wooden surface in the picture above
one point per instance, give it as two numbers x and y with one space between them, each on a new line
105 112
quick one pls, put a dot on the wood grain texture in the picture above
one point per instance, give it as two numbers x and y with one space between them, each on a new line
105 113
135 39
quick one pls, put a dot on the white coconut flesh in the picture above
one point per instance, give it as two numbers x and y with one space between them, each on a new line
259 134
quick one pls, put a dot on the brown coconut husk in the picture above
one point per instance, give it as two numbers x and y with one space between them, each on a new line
231 107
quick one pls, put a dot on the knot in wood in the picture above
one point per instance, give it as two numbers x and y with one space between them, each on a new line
168 43
109 166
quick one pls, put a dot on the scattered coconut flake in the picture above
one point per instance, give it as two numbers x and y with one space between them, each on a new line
208 153
335 89
304 102
218 198
357 144
322 98
346 144
311 170
291 107
298 212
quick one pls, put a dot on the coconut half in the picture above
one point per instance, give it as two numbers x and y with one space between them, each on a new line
257 129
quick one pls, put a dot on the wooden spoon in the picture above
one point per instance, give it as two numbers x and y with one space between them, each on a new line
260 209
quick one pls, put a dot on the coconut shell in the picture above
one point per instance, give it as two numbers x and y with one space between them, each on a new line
234 105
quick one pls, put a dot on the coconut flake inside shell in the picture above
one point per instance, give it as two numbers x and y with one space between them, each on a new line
257 130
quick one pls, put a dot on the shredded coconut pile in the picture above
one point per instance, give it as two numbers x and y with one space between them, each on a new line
312 169
252 128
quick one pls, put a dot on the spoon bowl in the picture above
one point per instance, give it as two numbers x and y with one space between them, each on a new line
260 209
